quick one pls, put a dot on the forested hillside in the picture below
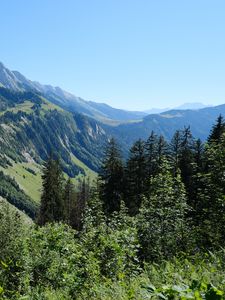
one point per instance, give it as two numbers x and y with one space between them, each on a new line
30 129
166 123
90 210
152 227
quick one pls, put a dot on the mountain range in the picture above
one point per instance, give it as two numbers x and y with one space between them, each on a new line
100 111
188 105
37 119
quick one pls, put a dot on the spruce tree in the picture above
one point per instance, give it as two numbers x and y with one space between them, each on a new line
187 159
217 130
175 150
161 150
211 195
151 155
111 178
81 198
69 199
51 207
136 176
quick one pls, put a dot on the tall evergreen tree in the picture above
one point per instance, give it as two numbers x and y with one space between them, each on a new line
81 198
186 158
136 176
151 155
69 199
175 150
162 150
111 178
52 206
211 196
217 130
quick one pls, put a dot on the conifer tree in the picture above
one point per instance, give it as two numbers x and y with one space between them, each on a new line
211 195
69 199
80 200
136 176
111 178
151 155
175 150
217 130
187 159
52 206
162 151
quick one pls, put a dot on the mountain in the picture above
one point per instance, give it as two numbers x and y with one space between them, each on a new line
184 106
36 120
166 123
192 105
99 111
31 128
156 110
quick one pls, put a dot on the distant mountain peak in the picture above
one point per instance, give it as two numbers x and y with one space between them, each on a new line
192 106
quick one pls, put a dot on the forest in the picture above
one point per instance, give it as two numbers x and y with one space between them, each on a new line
150 227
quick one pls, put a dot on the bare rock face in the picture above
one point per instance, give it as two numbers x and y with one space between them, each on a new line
8 79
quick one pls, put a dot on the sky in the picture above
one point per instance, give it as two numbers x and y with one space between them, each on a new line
130 54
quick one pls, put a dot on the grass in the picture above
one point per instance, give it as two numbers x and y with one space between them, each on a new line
46 105
24 216
26 106
92 175
30 183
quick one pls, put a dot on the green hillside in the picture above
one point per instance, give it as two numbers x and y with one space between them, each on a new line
31 128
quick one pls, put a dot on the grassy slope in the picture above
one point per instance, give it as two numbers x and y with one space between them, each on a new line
26 106
88 172
30 183
24 216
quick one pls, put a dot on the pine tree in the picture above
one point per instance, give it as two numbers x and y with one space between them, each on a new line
52 207
136 176
111 178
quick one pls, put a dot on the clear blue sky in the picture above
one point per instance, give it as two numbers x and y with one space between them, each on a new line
133 54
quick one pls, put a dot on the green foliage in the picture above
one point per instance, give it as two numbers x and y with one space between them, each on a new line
156 247
162 224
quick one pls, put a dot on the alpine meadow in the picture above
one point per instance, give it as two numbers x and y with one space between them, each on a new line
121 198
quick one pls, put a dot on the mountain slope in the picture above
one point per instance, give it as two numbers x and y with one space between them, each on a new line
18 82
31 128
168 122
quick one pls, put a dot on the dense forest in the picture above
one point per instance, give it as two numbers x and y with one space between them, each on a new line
151 227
